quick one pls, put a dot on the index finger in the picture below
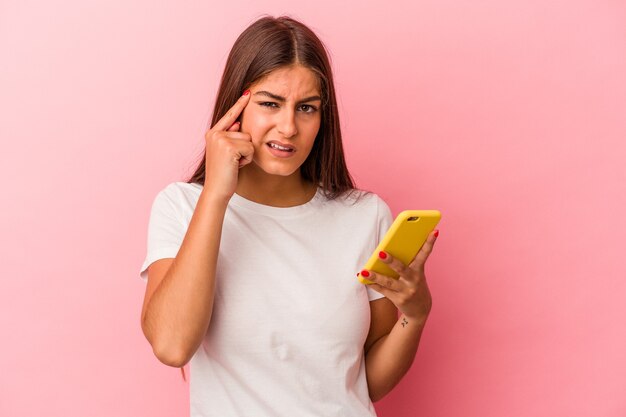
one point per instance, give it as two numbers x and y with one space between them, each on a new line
233 113
393 262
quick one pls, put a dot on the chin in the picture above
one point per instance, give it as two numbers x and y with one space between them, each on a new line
281 169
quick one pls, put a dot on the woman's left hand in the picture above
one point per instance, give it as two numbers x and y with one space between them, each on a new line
409 292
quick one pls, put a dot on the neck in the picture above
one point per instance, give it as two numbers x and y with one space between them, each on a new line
256 185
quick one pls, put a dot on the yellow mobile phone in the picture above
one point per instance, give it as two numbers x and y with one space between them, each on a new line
403 240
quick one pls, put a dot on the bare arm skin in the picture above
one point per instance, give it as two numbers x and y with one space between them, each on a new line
390 357
179 296
392 343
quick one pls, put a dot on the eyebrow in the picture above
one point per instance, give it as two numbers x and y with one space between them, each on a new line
283 99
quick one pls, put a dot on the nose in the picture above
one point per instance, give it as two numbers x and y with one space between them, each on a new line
286 123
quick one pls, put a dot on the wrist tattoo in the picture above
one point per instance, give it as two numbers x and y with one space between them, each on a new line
404 322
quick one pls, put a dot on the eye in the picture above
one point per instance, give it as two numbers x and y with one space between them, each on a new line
267 104
307 108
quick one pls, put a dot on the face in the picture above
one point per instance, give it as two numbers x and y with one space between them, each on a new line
283 118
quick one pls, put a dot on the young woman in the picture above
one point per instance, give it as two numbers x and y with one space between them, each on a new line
251 263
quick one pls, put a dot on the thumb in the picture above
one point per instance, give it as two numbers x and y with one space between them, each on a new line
245 160
234 127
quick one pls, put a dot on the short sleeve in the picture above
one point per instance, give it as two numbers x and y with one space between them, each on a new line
383 223
165 231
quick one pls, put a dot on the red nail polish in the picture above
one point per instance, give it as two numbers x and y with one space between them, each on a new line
365 273
436 233
245 93
382 255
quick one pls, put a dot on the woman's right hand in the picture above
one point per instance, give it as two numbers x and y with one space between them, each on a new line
227 150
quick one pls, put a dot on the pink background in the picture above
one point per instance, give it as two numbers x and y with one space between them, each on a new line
509 117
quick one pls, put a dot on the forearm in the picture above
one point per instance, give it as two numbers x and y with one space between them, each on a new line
178 314
390 358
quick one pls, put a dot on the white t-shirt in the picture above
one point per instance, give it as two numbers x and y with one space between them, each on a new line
290 317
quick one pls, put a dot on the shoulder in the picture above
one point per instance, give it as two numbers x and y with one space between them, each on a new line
359 198
178 190
366 200
177 197
360 202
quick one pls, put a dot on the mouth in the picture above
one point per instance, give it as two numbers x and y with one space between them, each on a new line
281 150
283 147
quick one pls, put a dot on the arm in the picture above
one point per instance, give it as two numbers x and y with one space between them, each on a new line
179 299
391 352
391 355
178 305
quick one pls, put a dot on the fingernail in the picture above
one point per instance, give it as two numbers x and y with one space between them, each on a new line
382 255
436 233
245 93
365 273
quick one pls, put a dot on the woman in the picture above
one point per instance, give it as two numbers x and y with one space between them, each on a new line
251 263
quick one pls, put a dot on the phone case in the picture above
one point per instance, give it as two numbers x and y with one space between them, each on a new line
403 240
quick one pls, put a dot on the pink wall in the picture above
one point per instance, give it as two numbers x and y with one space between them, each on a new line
509 117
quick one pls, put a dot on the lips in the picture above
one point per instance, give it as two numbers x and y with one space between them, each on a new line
285 147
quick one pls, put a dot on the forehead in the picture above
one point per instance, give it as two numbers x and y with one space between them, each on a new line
290 81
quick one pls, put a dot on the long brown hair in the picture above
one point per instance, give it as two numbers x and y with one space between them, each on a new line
271 43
